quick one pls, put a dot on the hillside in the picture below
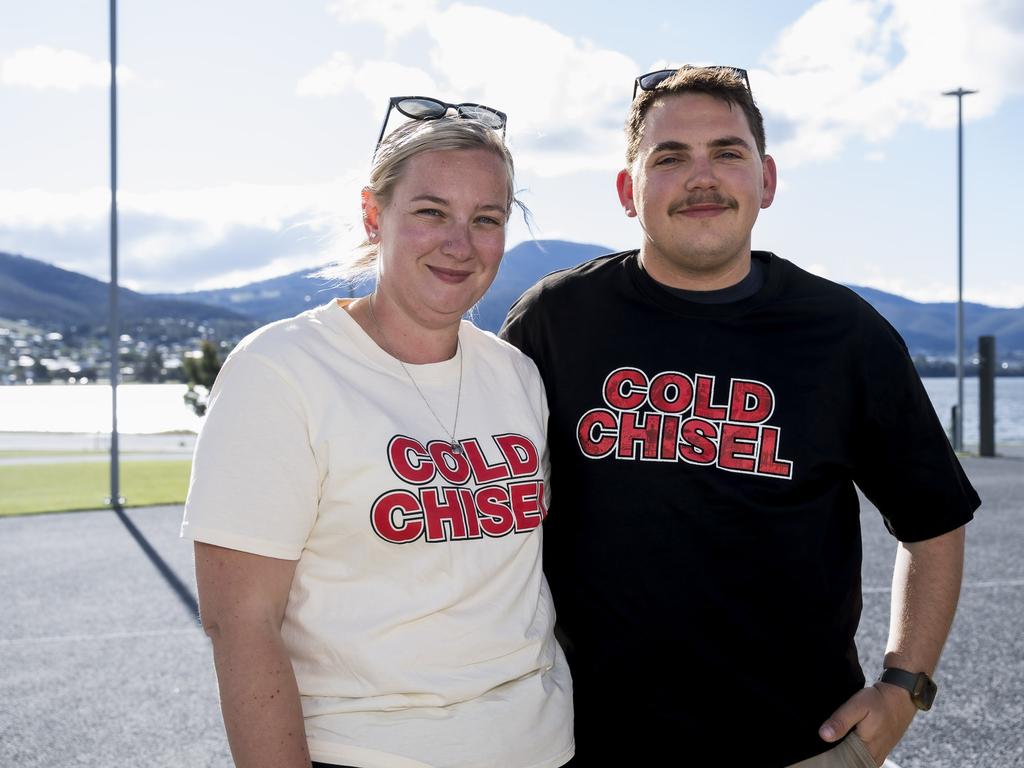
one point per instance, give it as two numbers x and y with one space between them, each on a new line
287 295
36 291
42 293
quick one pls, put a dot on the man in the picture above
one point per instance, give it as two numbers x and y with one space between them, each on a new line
711 410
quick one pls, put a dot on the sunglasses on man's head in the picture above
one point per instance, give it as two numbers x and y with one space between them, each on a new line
426 108
652 80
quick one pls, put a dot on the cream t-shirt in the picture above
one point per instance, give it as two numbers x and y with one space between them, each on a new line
419 623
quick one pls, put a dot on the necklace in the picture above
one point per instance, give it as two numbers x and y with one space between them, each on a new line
455 445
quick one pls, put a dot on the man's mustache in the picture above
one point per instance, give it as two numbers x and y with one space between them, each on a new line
704 198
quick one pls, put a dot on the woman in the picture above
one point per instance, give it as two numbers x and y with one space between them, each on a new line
367 494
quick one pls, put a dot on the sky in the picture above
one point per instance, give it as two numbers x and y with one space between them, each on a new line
246 127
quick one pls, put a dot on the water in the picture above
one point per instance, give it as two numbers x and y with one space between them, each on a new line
152 408
1009 408
141 408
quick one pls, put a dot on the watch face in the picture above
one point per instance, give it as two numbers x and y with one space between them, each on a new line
920 687
924 694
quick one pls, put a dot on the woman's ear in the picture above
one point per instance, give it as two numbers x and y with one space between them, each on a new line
371 214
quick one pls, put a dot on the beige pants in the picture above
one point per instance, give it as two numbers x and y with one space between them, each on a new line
849 753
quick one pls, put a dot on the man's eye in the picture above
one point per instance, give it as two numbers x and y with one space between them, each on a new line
429 212
730 154
666 160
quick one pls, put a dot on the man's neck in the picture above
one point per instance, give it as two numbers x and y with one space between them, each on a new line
712 279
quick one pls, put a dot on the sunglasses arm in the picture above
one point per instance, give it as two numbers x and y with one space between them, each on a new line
387 115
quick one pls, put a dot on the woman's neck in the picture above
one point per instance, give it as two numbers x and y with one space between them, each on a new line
400 335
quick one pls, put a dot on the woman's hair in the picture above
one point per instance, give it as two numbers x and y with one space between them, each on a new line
389 162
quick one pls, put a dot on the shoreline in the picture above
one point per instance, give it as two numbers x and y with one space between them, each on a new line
171 443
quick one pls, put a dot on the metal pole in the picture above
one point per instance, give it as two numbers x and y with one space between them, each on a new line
115 362
958 432
987 396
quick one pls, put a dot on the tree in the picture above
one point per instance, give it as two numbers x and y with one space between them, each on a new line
39 371
201 372
152 368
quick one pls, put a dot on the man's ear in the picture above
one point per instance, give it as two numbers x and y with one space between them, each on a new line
771 179
371 214
624 186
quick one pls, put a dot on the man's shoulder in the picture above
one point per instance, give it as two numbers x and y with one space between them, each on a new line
584 277
799 284
814 298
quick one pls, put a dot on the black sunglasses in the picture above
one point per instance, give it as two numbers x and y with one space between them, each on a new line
652 80
426 108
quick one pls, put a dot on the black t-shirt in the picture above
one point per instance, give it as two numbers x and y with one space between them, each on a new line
703 541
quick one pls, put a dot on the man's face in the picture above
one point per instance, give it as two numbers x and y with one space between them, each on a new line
696 186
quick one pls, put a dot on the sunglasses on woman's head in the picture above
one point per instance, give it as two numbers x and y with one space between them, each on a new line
427 108
652 80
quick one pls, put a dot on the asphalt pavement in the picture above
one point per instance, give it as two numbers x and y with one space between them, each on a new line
103 663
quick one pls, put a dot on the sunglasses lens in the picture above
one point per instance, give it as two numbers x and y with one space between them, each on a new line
652 80
488 117
421 109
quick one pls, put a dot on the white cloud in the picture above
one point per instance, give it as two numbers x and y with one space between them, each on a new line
565 97
330 78
373 79
863 68
398 17
181 239
49 68
263 206
845 69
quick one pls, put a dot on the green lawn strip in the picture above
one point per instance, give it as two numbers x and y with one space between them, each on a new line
34 488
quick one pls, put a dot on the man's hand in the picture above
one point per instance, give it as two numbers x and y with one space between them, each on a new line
879 714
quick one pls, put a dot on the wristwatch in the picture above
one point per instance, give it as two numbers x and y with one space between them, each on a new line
921 687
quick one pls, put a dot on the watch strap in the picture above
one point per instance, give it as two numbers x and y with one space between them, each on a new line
920 686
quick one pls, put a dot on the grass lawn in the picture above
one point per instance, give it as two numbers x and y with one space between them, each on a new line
32 488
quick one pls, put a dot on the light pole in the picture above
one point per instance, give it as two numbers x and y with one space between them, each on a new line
958 422
115 365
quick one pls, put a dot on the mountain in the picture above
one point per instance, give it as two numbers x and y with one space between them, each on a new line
521 267
269 300
930 329
36 291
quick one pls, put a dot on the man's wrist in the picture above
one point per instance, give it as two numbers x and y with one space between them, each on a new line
920 688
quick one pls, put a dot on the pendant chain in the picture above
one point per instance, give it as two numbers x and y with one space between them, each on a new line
456 447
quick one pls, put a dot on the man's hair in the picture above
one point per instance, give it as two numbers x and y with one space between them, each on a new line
720 82
389 164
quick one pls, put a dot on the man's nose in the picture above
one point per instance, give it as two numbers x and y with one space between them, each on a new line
702 174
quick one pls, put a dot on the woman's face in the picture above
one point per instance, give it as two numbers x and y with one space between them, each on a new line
442 233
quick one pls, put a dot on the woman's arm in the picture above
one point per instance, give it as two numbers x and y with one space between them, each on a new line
242 598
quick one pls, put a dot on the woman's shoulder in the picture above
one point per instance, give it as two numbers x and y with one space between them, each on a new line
495 349
288 335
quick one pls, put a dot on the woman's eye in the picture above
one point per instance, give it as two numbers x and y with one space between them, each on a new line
429 212
490 221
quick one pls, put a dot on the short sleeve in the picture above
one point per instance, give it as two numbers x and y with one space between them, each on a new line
904 462
255 483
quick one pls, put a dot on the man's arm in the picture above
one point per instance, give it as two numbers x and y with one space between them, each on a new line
925 589
242 598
